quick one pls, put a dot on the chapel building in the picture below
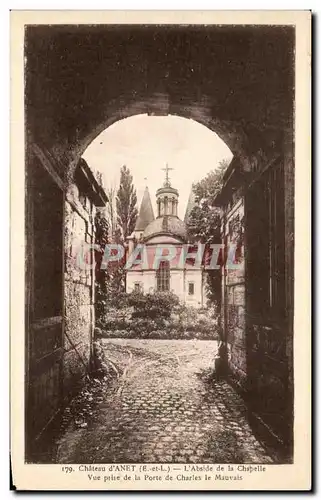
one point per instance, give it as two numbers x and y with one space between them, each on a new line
184 277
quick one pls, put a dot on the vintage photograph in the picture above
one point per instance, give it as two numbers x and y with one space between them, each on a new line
159 244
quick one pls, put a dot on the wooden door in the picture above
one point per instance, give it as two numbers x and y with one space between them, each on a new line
266 302
44 304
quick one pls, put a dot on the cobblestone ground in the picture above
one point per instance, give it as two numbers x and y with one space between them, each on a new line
162 409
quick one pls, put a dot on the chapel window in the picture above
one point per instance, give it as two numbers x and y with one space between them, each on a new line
138 287
163 277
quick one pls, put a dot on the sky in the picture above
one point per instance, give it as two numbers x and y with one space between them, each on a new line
146 143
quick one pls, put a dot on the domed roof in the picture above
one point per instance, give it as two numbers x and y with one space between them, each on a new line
169 224
166 189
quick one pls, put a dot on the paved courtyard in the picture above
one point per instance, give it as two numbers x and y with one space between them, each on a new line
163 408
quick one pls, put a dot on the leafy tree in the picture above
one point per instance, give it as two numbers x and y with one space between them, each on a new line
126 203
112 211
110 282
204 222
113 224
102 228
102 277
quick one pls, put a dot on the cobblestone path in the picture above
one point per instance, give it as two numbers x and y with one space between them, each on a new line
164 409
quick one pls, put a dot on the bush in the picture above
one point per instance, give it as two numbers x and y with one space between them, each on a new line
159 315
171 334
153 305
117 325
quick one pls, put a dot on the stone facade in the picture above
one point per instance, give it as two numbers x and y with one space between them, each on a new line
80 209
79 298
179 283
234 293
257 295
60 287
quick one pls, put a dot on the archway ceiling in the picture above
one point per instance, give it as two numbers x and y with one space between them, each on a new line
238 81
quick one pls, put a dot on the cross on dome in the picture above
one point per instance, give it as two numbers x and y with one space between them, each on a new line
167 181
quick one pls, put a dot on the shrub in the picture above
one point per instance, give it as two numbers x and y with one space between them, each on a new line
153 305
158 315
161 334
117 324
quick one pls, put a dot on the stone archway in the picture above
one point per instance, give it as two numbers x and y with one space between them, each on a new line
233 134
158 104
87 80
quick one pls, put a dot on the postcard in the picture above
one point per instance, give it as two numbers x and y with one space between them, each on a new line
160 280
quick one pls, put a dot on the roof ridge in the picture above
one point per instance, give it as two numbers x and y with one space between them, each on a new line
146 212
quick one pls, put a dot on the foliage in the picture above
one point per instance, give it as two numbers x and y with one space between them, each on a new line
111 213
109 282
118 300
204 222
213 287
126 203
169 333
113 224
102 228
102 278
182 322
153 305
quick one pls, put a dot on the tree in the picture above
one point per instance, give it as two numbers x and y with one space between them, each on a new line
111 212
102 227
102 277
204 221
110 281
126 203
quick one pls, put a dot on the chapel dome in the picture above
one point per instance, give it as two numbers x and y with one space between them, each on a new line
167 224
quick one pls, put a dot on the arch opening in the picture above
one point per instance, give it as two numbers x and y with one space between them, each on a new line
146 143
232 133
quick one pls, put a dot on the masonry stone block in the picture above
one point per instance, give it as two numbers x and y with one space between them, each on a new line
78 325
239 337
76 294
76 365
239 295
235 276
238 357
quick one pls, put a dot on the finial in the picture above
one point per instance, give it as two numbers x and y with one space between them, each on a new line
167 181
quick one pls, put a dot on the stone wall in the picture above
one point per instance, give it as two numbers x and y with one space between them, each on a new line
194 276
60 213
234 295
79 290
257 310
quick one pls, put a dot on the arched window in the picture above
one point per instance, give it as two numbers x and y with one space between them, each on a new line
163 277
